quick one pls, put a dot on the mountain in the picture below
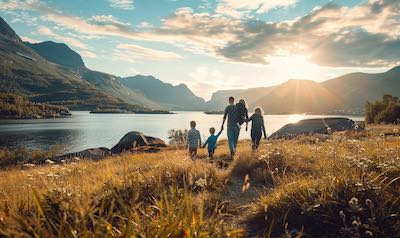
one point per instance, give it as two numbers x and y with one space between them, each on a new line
7 32
26 73
58 53
178 97
344 94
142 90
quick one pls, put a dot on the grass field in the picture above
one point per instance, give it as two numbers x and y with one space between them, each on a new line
342 185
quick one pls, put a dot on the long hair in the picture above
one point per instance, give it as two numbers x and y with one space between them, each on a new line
259 111
242 101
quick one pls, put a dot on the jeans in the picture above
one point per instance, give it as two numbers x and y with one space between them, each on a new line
233 136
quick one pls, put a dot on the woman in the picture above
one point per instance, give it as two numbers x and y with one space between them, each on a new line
257 127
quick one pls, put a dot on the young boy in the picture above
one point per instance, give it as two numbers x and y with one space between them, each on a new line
212 142
193 140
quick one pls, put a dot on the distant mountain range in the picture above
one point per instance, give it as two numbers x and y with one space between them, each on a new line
344 94
53 73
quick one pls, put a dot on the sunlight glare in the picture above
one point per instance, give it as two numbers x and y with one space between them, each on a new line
295 118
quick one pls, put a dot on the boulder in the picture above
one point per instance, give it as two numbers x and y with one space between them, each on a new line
316 126
91 154
138 141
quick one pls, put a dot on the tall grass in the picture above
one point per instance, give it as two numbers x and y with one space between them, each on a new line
342 185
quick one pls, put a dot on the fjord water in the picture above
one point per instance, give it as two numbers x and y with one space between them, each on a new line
84 130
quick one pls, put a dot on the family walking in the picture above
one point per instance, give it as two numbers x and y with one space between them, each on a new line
235 115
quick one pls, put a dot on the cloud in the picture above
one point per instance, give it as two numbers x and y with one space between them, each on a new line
131 53
107 20
204 81
10 5
122 4
30 40
144 24
237 8
70 41
366 35
87 54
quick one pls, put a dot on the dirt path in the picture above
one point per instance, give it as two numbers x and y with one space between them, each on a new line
240 195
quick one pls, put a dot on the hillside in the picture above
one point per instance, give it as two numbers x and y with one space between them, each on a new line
178 97
16 107
26 73
58 53
339 185
344 94
142 90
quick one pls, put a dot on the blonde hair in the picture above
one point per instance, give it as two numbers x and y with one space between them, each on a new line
259 111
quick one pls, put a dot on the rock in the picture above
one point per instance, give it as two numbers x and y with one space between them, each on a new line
316 126
91 154
138 141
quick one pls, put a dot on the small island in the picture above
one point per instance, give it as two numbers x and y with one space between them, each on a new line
13 106
128 111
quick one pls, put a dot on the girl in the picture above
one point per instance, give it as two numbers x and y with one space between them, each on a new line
257 127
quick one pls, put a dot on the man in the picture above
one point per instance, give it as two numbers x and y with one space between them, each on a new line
232 127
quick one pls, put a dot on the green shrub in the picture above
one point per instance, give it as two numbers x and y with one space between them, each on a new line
385 111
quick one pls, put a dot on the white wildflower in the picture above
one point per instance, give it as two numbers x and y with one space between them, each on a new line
49 161
29 165
201 182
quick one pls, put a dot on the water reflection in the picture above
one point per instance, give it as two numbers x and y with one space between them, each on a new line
84 130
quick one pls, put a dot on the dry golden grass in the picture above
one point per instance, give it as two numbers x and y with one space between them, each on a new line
300 187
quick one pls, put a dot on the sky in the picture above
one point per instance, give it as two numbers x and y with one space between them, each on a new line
215 45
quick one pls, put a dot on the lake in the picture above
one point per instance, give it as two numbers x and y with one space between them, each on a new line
84 130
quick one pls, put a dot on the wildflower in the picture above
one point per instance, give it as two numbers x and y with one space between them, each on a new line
342 215
382 134
168 174
355 224
395 130
353 202
49 161
368 233
29 165
356 127
201 182
369 203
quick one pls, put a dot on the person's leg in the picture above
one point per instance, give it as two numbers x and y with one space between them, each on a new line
258 138
236 131
231 139
253 140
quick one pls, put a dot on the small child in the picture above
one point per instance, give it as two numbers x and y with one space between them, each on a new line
257 127
242 113
212 142
193 140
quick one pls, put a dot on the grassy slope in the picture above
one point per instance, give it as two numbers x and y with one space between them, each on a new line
42 81
345 184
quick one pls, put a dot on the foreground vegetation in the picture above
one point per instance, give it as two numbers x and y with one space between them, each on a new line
14 106
341 185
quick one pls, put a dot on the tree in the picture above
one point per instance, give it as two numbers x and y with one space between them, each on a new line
385 111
